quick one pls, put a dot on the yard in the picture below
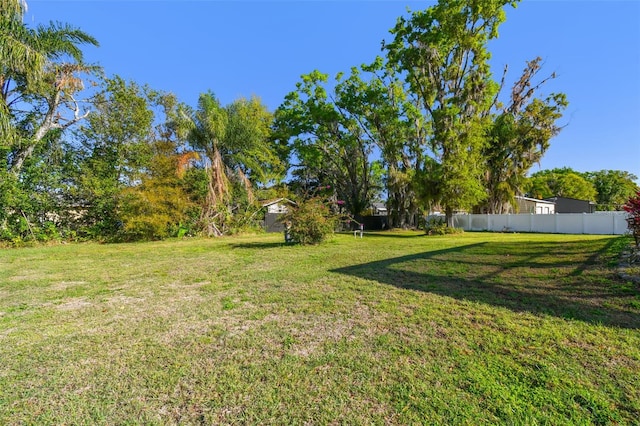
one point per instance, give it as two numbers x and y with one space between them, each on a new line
394 328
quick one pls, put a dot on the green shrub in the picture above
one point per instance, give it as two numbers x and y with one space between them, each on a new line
153 210
438 226
311 222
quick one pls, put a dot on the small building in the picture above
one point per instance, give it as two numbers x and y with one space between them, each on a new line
375 218
535 206
378 209
274 209
572 205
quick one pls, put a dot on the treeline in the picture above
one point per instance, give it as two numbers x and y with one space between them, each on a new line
609 189
424 126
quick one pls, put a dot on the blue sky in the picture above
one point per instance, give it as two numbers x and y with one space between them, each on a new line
245 48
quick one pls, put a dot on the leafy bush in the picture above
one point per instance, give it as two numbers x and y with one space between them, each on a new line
438 226
311 222
153 211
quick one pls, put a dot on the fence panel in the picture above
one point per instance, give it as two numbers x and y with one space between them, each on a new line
600 224
570 223
498 222
519 222
478 222
462 221
610 223
620 225
545 223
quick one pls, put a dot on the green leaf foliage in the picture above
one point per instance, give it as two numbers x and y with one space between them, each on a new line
115 151
330 136
613 187
310 222
518 138
240 153
443 54
564 182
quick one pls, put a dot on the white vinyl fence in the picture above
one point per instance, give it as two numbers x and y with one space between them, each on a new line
601 223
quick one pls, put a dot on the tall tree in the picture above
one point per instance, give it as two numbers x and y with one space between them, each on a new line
329 139
162 202
113 153
519 137
41 74
443 53
376 98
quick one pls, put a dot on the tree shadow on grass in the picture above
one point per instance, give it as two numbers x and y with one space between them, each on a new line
393 234
565 280
258 245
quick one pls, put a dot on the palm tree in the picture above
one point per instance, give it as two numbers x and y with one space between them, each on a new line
37 65
234 140
16 55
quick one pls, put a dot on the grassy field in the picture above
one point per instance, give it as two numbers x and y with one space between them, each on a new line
394 328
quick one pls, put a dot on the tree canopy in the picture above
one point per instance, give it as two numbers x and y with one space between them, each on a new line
443 54
424 126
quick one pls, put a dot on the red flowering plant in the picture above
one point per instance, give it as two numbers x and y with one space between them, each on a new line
633 208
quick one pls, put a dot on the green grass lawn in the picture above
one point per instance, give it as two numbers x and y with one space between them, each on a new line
394 328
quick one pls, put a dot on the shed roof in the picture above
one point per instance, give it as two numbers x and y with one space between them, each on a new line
557 197
267 203
536 200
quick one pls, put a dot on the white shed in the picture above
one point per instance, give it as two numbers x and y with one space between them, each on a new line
535 206
273 210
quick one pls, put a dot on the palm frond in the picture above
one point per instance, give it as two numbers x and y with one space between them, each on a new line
12 9
57 40
17 50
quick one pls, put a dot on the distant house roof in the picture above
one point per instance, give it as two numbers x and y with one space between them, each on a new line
267 203
379 209
556 198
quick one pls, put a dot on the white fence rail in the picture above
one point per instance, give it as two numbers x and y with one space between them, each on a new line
606 223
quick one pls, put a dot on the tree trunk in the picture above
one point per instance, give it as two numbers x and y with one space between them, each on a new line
48 123
448 212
